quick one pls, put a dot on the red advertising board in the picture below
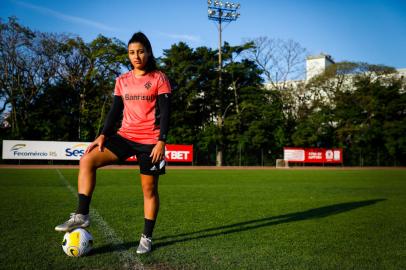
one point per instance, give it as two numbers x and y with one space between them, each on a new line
175 153
313 155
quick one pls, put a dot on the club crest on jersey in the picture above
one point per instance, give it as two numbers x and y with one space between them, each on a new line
148 85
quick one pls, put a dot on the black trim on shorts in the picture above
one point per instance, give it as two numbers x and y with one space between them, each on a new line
124 148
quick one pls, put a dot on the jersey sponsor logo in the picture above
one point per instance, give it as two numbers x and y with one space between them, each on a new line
148 85
148 98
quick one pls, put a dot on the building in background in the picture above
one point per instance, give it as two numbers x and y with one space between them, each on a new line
317 64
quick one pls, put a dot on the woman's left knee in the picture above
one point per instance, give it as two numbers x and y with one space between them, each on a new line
150 190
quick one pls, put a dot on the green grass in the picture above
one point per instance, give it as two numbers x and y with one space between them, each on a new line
241 219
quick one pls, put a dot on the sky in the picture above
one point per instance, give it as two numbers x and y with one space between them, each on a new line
369 31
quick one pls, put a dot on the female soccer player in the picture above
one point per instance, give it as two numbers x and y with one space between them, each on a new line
143 97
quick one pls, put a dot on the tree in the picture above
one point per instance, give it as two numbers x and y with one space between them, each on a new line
35 65
280 60
198 106
90 70
354 106
190 73
27 67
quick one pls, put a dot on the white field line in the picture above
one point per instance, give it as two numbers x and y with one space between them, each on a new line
127 258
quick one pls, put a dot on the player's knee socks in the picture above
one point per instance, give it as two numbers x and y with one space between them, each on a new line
83 205
148 227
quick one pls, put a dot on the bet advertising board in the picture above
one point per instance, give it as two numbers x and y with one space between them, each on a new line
175 153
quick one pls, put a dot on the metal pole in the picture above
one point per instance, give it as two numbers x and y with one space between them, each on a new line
220 12
79 120
220 59
219 154
81 96
240 153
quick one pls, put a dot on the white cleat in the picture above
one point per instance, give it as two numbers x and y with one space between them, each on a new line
75 221
145 245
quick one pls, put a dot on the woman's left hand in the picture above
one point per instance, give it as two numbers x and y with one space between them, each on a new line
158 152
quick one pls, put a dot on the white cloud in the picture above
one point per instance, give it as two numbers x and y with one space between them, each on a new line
182 37
65 17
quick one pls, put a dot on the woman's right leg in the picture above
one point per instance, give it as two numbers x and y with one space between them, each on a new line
89 163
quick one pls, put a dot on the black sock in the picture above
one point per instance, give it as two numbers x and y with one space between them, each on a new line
148 227
83 206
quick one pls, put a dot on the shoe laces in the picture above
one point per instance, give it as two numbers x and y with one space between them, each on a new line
143 236
72 217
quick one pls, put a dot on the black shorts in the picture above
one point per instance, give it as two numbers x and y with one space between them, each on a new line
124 148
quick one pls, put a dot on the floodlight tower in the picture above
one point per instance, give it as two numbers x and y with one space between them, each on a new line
221 12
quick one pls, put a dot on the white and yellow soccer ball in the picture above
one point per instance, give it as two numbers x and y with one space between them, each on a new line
77 243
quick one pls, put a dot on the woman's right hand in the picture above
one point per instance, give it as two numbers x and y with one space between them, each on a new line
98 142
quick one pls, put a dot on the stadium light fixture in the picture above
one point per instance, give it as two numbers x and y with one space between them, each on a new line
223 12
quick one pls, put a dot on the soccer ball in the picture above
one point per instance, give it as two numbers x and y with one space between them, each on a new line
77 243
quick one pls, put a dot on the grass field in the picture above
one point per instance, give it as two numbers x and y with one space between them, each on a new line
212 219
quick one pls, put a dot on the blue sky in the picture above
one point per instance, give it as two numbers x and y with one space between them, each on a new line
356 30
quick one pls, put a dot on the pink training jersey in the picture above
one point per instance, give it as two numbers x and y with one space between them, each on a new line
139 94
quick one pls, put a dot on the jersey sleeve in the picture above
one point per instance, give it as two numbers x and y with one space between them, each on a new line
113 116
163 85
164 103
117 88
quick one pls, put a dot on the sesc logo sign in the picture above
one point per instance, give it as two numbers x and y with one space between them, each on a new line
76 151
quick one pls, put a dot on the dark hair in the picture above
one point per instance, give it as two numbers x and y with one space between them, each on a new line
141 38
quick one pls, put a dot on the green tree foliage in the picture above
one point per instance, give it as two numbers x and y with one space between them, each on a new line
359 107
27 67
372 119
190 73
90 70
252 117
56 87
